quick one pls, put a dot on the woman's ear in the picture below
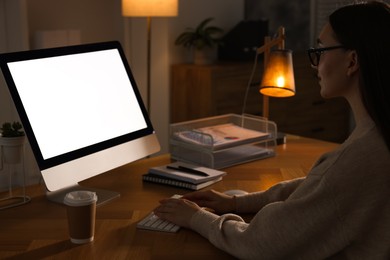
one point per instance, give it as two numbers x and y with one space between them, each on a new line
353 63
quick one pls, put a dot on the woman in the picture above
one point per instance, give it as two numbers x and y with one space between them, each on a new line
342 208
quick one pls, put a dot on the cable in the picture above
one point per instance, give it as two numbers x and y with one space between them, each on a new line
249 83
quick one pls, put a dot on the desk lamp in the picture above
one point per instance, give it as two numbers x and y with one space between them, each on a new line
278 77
149 8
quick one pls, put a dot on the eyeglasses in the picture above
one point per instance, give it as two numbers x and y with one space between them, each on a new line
315 53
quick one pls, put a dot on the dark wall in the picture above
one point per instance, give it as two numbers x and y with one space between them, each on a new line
293 15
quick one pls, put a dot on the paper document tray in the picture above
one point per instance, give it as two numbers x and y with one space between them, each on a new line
222 141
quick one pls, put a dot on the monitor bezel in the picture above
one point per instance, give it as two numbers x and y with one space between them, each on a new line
43 164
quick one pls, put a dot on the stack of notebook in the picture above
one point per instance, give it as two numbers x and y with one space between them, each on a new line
184 175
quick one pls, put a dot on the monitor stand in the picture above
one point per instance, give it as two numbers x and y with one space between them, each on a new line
104 196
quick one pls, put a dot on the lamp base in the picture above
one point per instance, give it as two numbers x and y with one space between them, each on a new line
280 138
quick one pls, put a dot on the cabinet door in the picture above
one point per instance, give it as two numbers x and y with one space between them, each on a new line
230 89
191 92
203 91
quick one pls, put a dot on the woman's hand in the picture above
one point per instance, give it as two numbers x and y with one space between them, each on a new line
180 211
177 211
217 201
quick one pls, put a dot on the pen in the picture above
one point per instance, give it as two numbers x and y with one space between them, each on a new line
187 170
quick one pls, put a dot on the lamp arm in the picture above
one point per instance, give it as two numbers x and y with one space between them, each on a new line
279 40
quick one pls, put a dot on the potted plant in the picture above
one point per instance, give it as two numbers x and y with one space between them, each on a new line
203 39
11 141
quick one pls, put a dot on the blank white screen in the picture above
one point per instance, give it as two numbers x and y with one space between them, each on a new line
77 100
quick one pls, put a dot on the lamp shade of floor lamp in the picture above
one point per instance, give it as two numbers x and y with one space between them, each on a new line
149 9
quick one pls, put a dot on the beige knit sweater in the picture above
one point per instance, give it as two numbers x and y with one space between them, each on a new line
341 210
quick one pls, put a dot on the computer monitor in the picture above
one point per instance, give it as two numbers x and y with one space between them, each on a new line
81 110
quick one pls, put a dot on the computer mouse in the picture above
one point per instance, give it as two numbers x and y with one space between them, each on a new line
235 192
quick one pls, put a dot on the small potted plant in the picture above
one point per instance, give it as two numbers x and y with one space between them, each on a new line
204 41
11 141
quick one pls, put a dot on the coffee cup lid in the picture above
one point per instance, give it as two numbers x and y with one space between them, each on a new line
80 198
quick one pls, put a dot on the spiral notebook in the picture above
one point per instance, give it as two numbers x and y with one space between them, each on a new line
173 171
150 177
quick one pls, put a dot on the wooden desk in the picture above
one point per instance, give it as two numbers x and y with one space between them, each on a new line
39 229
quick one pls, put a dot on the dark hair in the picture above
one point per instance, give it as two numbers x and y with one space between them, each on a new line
365 28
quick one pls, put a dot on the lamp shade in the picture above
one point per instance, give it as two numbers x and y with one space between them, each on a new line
278 78
149 8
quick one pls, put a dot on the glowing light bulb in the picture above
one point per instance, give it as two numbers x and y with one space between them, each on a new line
280 81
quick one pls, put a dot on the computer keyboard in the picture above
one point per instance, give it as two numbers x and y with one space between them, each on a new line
152 222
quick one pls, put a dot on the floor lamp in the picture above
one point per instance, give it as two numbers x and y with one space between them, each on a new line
149 9
278 77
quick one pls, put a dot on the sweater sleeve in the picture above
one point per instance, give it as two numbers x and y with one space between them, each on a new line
253 202
280 230
339 210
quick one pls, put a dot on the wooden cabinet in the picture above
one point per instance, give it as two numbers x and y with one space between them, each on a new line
203 91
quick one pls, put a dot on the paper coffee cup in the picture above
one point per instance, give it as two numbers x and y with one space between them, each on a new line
81 211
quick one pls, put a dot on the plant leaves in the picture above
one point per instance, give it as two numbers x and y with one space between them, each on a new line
201 36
